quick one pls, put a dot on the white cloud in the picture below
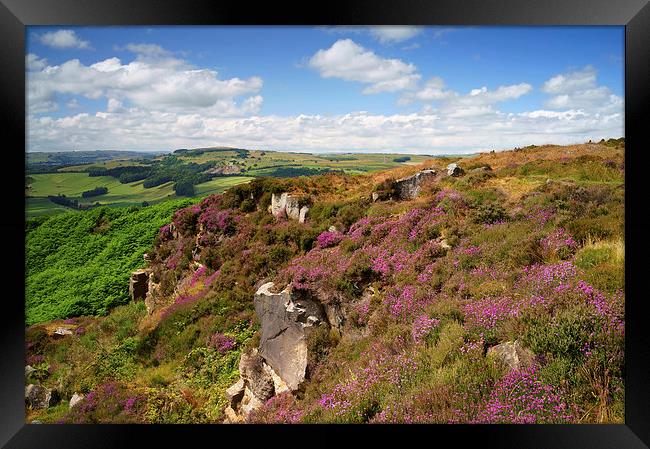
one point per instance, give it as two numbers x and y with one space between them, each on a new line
426 132
571 82
157 101
390 34
114 105
73 104
439 32
147 50
151 81
476 102
351 62
434 90
33 62
63 39
578 89
384 34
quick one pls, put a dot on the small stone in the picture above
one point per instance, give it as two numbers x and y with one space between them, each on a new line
62 331
39 397
29 370
75 399
454 170
512 355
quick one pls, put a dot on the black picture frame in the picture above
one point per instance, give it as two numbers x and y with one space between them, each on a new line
633 14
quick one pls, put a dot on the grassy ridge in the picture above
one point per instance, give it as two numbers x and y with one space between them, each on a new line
79 263
527 260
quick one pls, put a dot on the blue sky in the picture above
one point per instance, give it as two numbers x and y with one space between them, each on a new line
413 89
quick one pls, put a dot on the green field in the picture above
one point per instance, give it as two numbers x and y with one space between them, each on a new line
261 163
71 182
219 185
42 206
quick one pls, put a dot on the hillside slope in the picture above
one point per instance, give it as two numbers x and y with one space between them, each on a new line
493 296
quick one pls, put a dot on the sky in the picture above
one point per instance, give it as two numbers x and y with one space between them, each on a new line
400 89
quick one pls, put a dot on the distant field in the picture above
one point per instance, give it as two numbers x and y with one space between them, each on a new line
257 163
73 184
219 185
42 206
108 164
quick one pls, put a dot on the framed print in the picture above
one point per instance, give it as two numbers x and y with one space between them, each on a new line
394 219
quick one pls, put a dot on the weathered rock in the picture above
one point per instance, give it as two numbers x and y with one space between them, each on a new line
512 355
288 205
257 383
331 229
249 403
235 393
285 318
480 169
39 397
255 378
454 170
139 284
279 385
29 370
232 417
374 196
303 214
335 315
442 241
61 332
152 296
408 188
75 399
173 230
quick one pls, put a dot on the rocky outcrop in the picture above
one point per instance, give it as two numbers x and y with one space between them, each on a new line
511 355
280 363
39 397
409 187
286 205
404 188
139 285
454 170
228 169
75 399
257 383
286 319
150 299
302 215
